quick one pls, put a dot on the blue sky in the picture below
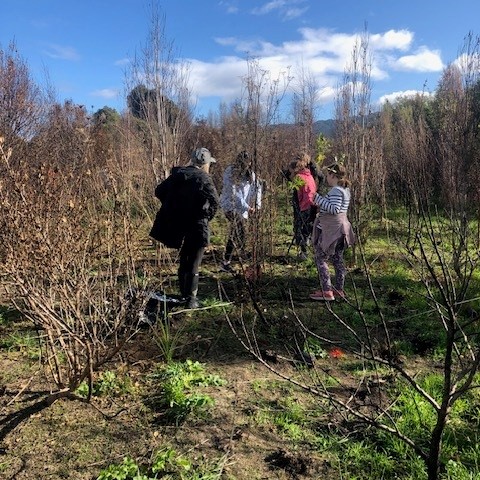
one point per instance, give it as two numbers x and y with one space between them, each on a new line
85 45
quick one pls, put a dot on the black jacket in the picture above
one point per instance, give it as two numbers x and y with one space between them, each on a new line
189 201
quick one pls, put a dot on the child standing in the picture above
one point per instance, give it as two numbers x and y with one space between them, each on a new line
305 188
332 233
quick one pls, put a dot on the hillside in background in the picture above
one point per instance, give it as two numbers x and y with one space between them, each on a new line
326 127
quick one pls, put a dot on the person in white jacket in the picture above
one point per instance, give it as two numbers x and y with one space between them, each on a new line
241 195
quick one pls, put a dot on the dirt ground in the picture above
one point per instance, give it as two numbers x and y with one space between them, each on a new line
75 440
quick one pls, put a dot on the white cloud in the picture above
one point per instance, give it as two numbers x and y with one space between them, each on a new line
395 96
468 63
424 60
122 61
222 78
287 9
107 93
61 52
327 94
269 7
326 54
243 46
392 40
294 13
230 7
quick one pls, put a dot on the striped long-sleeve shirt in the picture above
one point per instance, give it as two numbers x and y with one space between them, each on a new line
335 201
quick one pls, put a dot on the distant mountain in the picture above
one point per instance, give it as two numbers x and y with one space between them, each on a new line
326 127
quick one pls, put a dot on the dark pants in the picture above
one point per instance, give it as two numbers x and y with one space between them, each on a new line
302 227
191 255
236 236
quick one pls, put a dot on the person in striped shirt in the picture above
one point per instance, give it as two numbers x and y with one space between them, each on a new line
332 233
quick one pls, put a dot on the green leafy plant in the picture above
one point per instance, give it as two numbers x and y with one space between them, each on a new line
179 382
312 345
166 464
108 383
167 461
296 183
127 470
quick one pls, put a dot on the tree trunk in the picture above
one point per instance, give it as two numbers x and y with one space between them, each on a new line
433 461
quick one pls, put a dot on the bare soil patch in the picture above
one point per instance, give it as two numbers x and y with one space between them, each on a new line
72 439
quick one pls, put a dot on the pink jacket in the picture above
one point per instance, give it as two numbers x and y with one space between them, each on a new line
307 191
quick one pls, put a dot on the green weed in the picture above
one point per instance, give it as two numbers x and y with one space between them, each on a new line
126 470
457 471
313 346
287 415
26 342
416 418
168 338
108 384
178 385
166 464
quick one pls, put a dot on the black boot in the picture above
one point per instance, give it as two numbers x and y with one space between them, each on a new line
182 283
191 290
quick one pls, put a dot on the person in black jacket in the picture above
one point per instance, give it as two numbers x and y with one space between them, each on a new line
189 201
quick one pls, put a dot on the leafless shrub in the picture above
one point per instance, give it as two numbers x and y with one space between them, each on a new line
69 259
21 99
159 100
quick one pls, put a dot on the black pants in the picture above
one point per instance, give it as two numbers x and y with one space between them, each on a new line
190 259
302 227
191 255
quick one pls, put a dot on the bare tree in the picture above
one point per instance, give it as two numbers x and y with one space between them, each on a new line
70 247
409 151
352 115
356 133
160 98
457 140
21 98
305 98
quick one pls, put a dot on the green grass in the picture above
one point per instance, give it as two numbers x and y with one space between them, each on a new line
24 341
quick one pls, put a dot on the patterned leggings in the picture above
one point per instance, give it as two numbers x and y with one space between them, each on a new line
338 264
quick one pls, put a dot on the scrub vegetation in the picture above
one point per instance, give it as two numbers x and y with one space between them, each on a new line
260 382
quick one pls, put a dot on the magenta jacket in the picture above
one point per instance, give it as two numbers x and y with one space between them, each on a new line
307 191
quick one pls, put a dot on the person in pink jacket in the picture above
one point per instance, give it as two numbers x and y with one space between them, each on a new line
304 187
